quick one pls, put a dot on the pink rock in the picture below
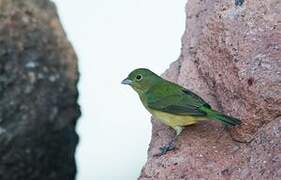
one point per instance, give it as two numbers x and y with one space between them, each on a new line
231 56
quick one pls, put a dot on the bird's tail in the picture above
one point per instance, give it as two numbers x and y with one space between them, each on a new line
227 120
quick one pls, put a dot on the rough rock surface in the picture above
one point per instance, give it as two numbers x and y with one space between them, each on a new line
38 95
231 56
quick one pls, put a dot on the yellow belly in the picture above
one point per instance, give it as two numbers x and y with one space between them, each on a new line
174 120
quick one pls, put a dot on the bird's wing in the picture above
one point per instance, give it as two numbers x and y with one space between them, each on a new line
175 100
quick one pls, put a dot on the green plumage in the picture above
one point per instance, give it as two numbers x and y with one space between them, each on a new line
227 120
172 104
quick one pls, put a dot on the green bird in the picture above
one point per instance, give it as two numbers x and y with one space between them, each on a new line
172 104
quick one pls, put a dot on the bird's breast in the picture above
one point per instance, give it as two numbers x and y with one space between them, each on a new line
173 120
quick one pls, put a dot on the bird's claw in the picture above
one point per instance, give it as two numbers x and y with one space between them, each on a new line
164 149
239 2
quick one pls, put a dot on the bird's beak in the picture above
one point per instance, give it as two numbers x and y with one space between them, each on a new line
127 81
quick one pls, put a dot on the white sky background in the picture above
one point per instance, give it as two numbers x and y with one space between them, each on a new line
112 38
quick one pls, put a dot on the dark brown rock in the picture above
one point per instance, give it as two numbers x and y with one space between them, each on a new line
38 94
231 56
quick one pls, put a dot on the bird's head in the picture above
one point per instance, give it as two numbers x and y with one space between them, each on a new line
141 79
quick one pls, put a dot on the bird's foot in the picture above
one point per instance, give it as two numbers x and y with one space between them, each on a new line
239 2
164 149
171 145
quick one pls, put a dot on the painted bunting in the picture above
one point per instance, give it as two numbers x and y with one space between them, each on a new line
172 104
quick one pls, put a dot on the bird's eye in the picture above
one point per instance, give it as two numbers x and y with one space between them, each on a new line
139 77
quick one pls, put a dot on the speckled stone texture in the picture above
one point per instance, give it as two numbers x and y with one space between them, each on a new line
231 56
38 94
